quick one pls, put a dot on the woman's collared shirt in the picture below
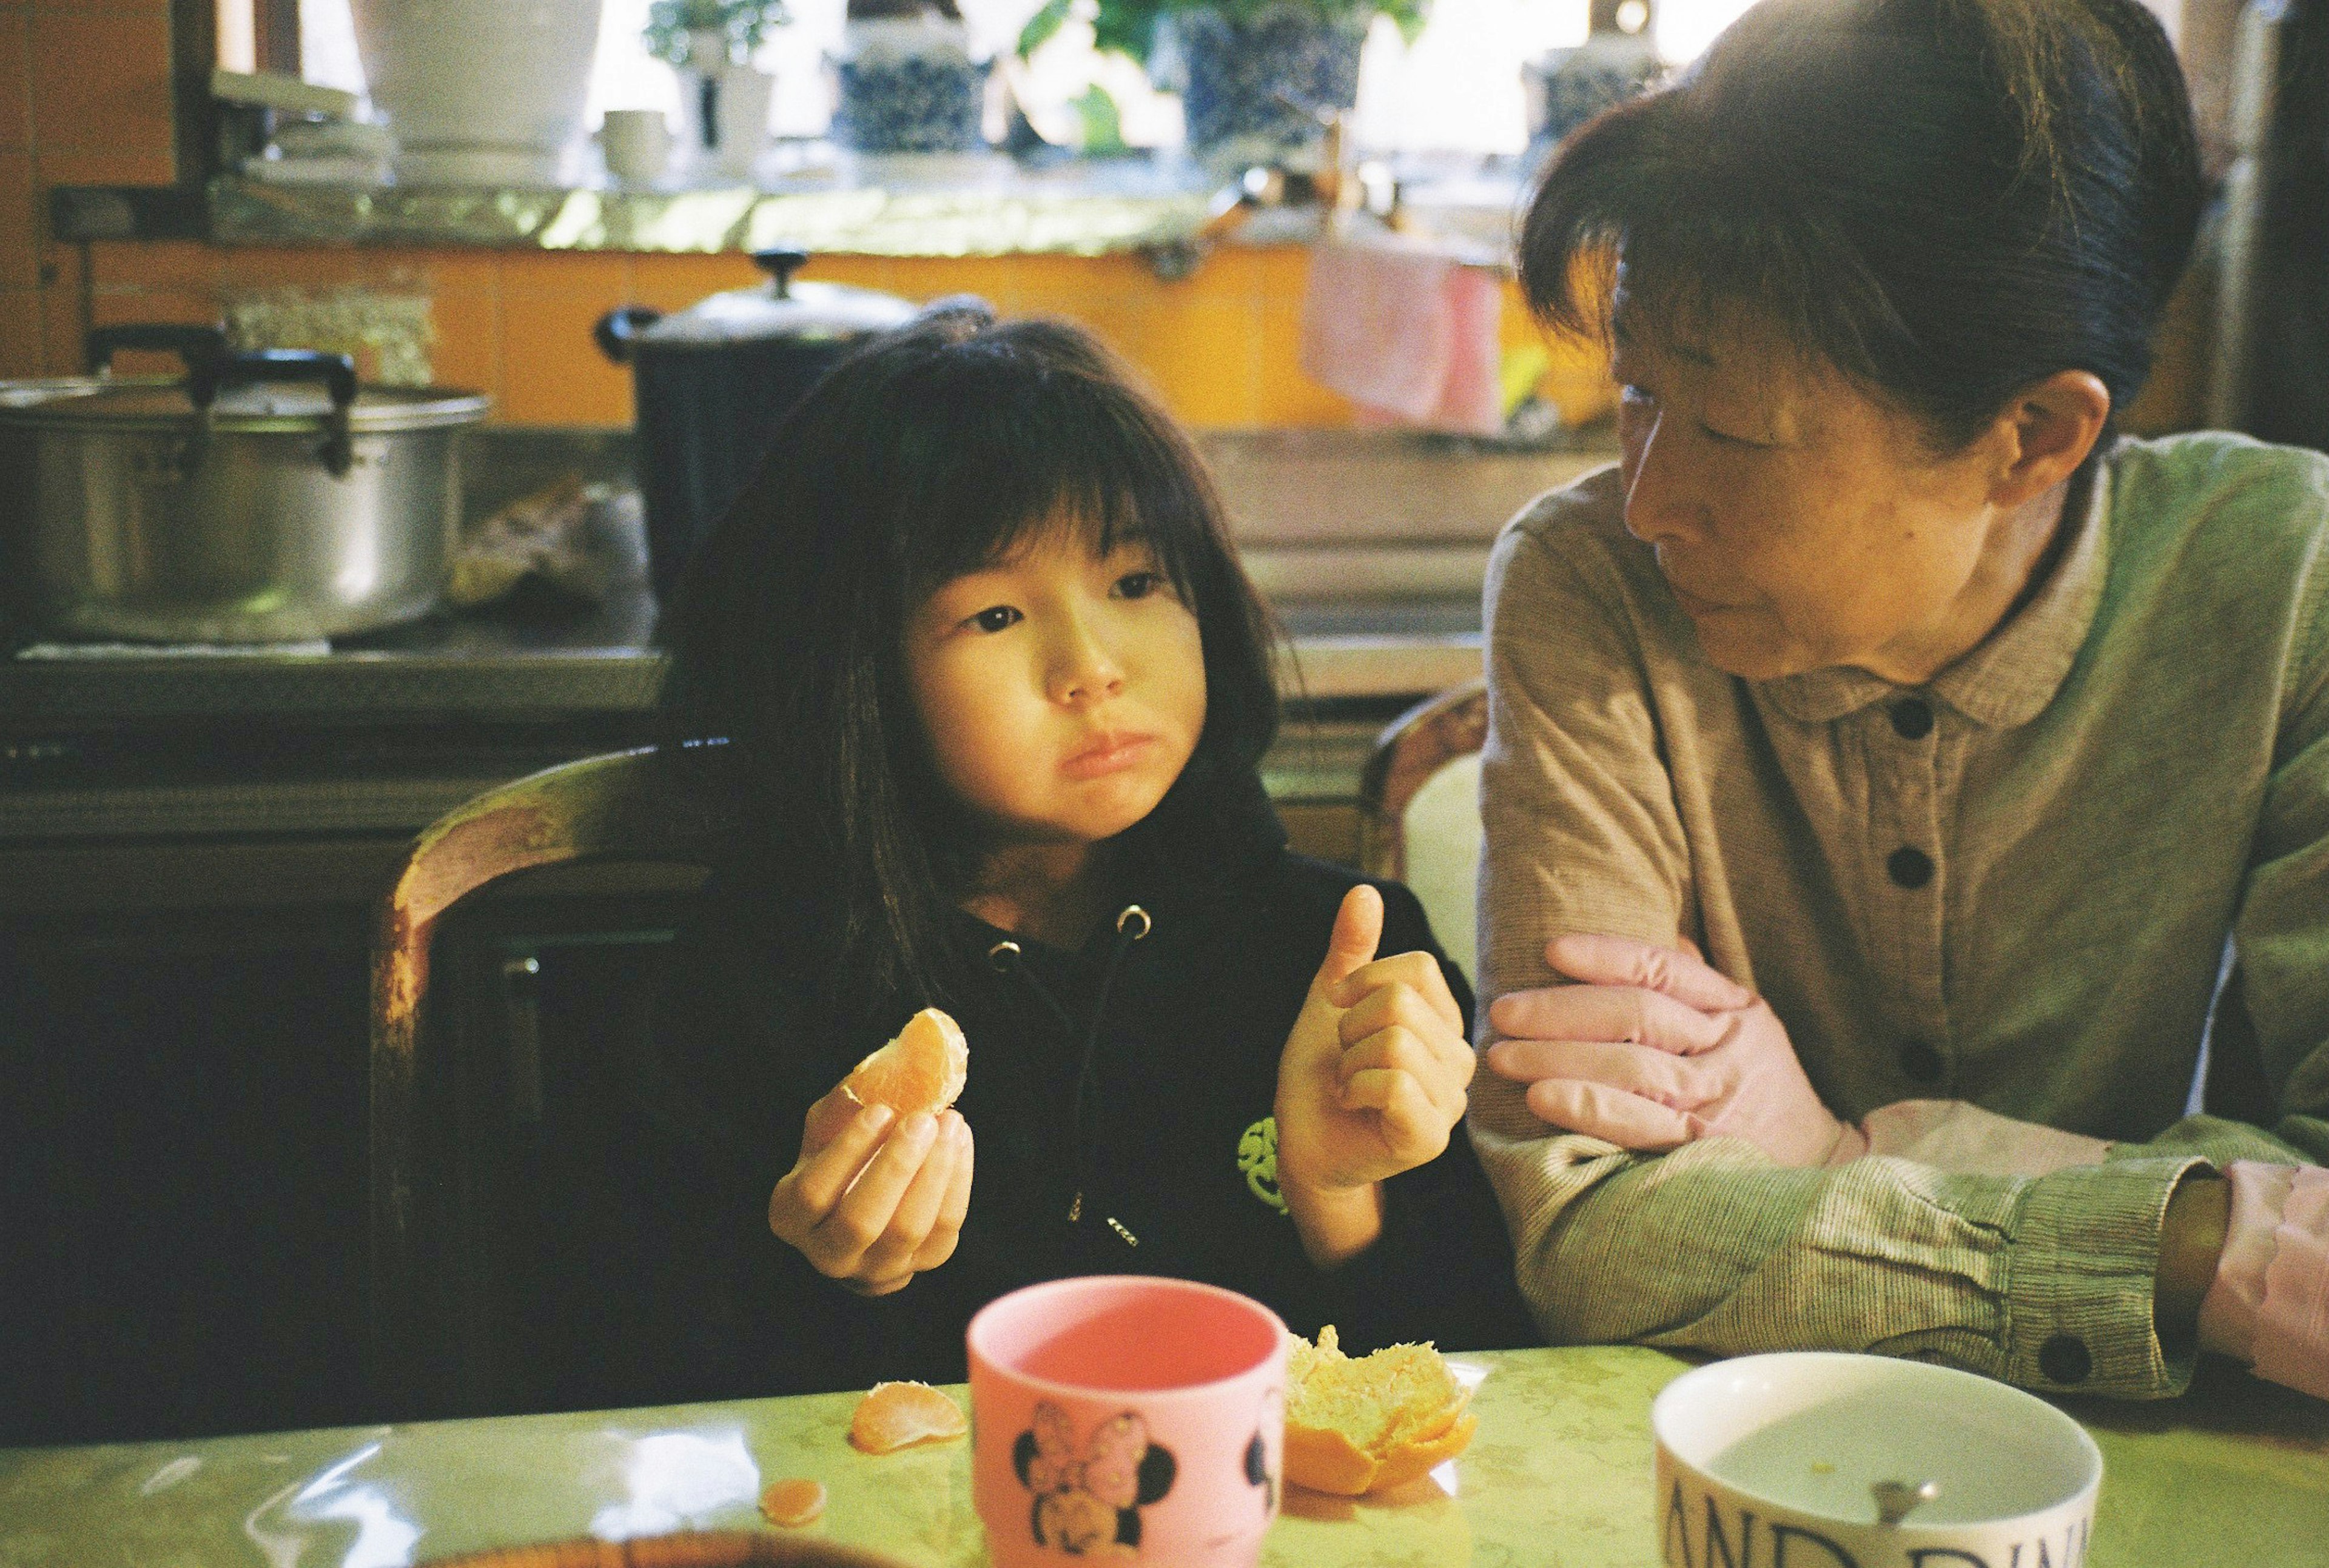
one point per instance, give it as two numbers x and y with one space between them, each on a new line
2012 885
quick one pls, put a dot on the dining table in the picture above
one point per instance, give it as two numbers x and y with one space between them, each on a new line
2236 1472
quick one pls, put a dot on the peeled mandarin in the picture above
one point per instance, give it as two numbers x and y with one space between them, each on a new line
923 1069
797 1501
895 1415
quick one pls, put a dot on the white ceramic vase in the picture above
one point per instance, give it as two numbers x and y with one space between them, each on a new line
724 106
478 91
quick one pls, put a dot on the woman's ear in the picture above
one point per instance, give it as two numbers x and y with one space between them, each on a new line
2050 429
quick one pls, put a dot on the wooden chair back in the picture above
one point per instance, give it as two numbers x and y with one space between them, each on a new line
1412 750
637 805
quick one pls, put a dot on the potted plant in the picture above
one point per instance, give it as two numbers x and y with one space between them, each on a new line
1255 75
723 96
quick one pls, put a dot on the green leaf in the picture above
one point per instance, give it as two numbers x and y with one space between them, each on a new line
1041 26
1103 123
1128 26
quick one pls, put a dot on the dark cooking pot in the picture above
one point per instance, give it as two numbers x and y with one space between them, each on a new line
714 379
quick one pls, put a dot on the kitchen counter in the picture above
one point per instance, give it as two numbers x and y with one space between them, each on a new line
1369 547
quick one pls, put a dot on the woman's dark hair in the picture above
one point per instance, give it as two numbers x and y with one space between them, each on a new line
933 451
1945 200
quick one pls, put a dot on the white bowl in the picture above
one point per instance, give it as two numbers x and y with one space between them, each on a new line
1771 1460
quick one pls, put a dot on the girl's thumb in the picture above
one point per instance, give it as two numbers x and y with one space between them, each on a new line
1358 929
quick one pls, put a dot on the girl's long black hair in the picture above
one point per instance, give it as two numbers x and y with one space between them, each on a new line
933 451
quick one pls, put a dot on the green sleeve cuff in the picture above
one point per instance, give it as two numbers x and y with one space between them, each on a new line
2083 1267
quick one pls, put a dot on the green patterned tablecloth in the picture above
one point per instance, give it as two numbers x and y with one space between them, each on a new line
2235 1473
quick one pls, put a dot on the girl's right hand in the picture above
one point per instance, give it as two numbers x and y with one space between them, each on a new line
869 1205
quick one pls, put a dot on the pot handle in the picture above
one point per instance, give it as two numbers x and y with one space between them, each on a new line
618 327
195 344
205 378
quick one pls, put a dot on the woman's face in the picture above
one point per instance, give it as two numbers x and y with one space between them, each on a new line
1800 524
1062 691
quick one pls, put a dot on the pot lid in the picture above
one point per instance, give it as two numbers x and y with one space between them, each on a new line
777 309
133 402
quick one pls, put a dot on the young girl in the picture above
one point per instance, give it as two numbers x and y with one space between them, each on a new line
994 692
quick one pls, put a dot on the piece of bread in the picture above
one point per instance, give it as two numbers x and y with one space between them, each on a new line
924 1068
1373 1423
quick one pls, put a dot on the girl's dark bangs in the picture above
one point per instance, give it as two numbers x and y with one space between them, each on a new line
1075 456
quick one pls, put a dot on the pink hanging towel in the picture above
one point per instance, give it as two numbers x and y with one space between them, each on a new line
1407 332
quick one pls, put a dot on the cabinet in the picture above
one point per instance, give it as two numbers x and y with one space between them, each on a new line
182 1150
184 1030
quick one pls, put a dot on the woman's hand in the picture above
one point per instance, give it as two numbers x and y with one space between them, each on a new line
869 1205
1657 1049
1370 1084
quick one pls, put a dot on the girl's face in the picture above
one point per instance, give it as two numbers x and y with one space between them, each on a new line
1800 524
1062 691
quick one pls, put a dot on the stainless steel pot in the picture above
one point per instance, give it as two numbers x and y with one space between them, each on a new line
264 498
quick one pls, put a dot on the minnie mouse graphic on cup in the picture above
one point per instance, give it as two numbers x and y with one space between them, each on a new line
1092 1497
1127 1417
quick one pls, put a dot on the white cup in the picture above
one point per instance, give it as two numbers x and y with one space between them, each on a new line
637 142
1772 1460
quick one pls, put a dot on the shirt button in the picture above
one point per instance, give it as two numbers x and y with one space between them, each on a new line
1921 1062
2064 1359
1910 867
1912 718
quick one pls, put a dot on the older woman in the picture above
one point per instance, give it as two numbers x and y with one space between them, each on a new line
1982 755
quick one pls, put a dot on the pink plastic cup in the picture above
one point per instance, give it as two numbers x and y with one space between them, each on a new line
1119 1414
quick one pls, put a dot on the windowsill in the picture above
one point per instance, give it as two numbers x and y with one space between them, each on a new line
922 206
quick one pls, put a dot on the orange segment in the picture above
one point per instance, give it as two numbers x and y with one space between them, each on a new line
895 1415
797 1501
923 1069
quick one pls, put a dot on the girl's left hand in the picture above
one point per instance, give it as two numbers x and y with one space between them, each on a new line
1373 1078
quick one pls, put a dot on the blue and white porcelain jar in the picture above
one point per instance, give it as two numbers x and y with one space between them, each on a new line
1566 87
909 86
1255 87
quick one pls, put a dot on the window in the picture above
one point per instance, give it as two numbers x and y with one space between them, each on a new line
1457 89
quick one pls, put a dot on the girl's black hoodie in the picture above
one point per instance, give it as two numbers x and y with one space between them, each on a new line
1180 1029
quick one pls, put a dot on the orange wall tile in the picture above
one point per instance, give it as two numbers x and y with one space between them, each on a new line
101 166
20 332
670 283
15 77
19 240
858 271
100 79
61 324
552 371
468 351
1285 396
182 265
1202 355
